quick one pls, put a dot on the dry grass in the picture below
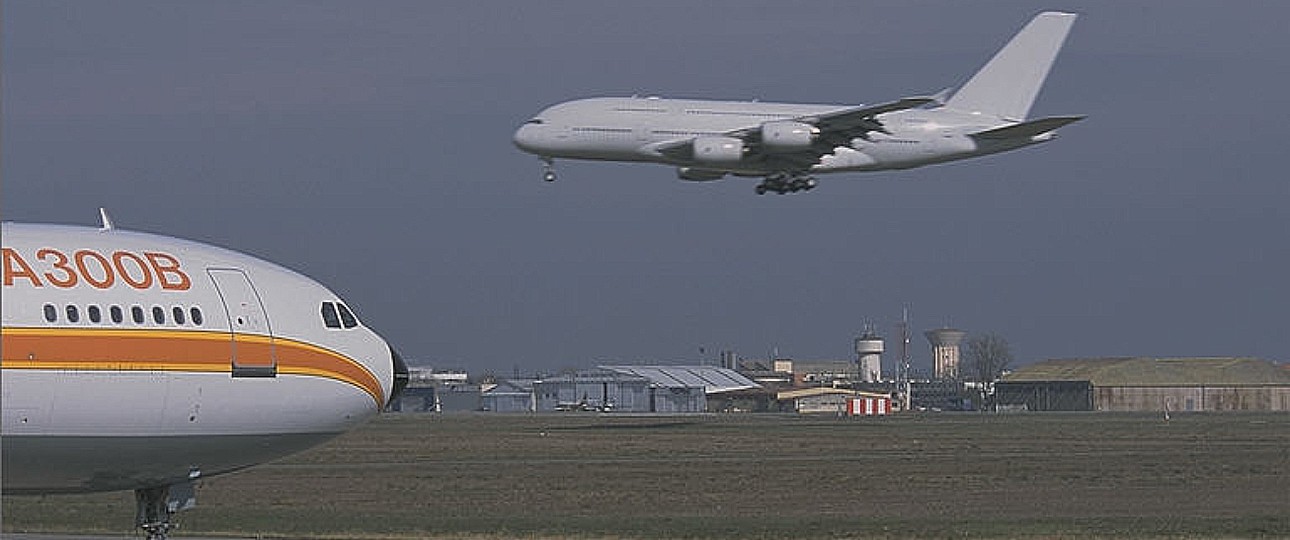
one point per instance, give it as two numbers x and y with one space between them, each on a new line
748 476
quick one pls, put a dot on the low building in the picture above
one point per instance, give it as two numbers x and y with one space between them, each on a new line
509 396
1147 384
653 389
803 372
828 400
593 390
457 398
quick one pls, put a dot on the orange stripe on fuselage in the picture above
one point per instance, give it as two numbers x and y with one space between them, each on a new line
94 349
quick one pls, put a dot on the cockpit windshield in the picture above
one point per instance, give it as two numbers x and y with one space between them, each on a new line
337 315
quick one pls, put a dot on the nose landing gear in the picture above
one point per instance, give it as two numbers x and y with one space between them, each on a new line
154 507
548 169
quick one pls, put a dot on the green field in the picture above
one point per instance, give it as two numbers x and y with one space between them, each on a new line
746 476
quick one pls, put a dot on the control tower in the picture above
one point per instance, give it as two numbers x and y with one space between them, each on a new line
945 351
869 348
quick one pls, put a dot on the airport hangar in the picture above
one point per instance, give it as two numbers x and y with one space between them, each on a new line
637 389
1147 384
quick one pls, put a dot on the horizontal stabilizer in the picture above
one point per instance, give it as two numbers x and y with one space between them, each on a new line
1027 129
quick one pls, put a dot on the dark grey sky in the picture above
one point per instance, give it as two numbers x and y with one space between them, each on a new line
367 144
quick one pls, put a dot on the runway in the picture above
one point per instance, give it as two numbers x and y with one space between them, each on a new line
173 536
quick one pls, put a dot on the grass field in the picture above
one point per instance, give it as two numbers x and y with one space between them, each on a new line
747 476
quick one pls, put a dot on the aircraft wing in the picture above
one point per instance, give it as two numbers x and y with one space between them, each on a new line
856 121
836 128
844 124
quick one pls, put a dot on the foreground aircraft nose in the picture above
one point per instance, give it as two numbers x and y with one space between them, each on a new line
400 376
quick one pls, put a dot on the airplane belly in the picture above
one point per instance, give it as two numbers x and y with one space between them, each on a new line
79 464
69 431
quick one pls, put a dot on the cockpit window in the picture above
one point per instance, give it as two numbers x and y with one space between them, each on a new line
536 121
346 316
329 315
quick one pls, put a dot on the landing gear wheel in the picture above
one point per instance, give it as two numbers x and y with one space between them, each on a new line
761 189
548 169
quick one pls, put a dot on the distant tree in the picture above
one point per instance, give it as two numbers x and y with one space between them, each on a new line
988 355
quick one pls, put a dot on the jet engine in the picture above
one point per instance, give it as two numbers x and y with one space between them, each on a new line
699 175
718 149
787 136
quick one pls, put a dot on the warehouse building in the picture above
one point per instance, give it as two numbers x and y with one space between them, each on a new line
509 396
1147 384
829 400
592 390
652 389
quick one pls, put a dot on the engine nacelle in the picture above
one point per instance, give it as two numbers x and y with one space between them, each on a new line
787 136
699 175
718 149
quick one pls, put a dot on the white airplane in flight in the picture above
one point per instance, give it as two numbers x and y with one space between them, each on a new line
135 361
786 144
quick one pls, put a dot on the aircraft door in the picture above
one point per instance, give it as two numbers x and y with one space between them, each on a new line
251 347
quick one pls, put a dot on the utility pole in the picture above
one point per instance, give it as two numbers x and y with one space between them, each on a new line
902 372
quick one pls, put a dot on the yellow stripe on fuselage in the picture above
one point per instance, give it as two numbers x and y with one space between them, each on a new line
197 351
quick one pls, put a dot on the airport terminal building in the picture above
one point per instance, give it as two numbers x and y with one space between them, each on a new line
1147 384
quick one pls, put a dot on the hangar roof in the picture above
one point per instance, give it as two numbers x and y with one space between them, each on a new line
712 379
1155 371
798 393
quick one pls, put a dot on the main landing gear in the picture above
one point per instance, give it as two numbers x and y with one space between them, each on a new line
548 169
781 184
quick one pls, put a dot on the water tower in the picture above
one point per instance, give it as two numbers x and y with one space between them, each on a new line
869 348
945 351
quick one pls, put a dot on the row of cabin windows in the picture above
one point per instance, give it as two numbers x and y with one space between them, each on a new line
116 314
336 315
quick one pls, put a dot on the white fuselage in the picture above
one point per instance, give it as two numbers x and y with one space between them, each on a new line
788 143
631 129
133 360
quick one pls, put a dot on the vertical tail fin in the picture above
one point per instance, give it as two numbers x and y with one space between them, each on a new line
1009 82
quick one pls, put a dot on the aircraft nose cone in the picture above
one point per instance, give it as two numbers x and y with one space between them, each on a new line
525 138
520 138
400 376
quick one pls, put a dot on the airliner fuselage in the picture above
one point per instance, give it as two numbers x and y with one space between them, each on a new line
139 361
633 128
788 143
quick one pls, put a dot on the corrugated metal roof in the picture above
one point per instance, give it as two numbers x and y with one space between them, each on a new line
1155 371
712 379
825 390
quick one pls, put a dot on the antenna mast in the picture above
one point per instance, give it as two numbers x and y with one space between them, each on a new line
902 373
